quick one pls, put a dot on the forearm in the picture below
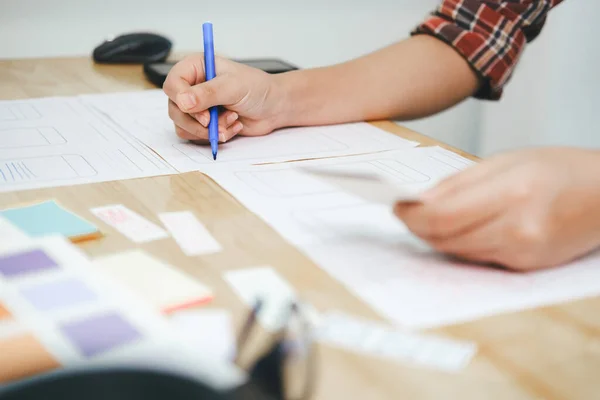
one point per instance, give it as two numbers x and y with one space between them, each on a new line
414 78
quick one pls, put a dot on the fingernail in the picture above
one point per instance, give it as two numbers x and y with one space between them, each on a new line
203 119
186 100
428 195
237 128
232 118
222 137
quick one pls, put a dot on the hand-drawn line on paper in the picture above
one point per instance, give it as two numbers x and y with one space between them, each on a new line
11 138
145 151
297 184
50 168
364 222
15 112
275 145
450 163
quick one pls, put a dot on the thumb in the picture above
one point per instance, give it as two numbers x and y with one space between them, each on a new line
220 91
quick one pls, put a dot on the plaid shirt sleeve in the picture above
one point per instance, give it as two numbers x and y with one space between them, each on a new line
489 34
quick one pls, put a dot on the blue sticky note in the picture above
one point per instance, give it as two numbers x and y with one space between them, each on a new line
49 218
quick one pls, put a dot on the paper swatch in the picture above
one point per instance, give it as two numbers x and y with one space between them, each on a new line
49 218
266 285
376 339
193 238
135 227
23 263
209 331
156 282
84 333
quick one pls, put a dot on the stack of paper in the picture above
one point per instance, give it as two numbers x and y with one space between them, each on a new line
144 115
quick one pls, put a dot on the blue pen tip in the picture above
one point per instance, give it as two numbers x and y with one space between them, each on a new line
214 155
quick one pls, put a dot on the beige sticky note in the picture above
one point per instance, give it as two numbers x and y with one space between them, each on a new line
155 281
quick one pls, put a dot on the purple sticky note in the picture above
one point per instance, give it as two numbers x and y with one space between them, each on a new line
101 333
25 263
58 295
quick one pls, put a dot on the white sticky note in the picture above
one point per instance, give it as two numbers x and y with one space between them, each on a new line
129 223
157 282
266 284
193 238
372 338
209 331
10 235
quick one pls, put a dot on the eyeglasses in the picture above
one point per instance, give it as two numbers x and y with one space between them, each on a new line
287 369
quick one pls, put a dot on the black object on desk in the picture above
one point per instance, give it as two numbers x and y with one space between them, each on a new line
156 72
112 384
133 48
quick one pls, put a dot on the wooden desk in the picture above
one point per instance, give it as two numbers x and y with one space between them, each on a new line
548 353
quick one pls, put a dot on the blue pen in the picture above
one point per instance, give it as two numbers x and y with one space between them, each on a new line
209 66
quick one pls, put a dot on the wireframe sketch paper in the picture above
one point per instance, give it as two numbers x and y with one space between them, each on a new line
145 116
373 187
363 245
305 208
57 141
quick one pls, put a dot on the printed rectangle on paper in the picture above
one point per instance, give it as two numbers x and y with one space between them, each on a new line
59 295
23 263
135 227
100 333
22 357
193 238
154 281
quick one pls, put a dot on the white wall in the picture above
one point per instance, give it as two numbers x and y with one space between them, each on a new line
554 97
320 32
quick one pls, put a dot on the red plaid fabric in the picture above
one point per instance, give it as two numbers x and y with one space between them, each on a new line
490 34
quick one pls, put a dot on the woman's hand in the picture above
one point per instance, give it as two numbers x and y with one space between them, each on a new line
524 210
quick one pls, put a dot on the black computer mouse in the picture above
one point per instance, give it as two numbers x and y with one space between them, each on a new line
136 48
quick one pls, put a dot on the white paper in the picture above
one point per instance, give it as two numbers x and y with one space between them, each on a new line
364 246
193 237
10 235
306 209
154 281
372 338
57 141
266 285
135 227
145 116
209 331
372 187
